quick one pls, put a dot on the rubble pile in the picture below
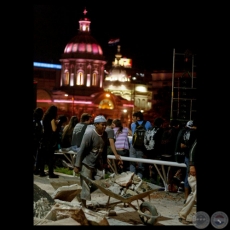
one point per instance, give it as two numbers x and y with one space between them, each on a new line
126 184
43 202
57 209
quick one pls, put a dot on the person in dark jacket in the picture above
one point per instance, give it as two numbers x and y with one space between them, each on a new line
46 154
137 167
191 199
168 143
37 133
67 133
186 141
150 171
92 156
79 130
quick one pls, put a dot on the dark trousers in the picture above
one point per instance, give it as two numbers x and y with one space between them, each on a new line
45 156
40 160
124 153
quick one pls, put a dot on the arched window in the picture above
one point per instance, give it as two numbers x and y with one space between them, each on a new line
94 79
66 77
143 104
80 79
106 104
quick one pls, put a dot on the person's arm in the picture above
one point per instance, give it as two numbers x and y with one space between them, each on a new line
130 132
79 157
53 125
192 168
64 129
113 148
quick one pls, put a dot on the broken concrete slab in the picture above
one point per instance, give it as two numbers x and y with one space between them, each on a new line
66 221
82 215
59 212
67 193
124 179
64 181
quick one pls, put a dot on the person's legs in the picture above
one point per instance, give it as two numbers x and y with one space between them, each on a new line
51 160
186 184
85 192
133 154
140 166
191 199
40 162
126 164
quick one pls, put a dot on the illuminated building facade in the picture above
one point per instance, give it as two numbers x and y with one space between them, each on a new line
81 84
76 86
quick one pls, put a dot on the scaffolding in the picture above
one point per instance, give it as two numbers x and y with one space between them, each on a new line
184 87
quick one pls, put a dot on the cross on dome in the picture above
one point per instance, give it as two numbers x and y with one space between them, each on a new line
85 12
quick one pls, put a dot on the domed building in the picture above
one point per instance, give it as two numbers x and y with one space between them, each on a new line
82 62
79 86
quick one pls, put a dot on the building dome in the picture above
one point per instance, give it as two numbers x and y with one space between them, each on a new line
83 45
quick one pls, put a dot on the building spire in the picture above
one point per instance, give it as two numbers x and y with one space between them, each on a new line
85 11
118 55
84 24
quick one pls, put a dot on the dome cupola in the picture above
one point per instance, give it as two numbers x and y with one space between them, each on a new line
83 45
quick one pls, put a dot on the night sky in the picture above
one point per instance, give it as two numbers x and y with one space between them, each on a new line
148 32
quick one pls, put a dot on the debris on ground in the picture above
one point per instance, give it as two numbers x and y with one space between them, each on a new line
125 184
43 202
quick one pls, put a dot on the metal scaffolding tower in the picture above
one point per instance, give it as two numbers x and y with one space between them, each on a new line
184 87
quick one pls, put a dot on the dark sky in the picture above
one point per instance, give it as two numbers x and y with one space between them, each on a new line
148 32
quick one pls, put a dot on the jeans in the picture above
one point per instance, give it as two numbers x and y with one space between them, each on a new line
136 167
74 148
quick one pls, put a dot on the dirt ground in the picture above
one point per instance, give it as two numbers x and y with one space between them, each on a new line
167 204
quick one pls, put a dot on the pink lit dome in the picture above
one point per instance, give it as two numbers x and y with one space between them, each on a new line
83 45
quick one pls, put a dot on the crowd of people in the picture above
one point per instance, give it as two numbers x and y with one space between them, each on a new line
93 140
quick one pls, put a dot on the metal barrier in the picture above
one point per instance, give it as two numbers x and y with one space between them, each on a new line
155 163
142 160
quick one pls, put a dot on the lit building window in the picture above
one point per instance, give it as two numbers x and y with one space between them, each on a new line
80 79
66 77
89 48
143 104
106 104
94 79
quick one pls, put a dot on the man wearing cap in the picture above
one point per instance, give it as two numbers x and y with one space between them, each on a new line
191 199
186 141
91 156
79 131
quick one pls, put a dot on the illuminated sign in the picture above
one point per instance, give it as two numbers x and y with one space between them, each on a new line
66 101
126 62
47 65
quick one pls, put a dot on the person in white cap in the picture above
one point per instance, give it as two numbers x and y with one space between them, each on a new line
185 140
91 156
192 198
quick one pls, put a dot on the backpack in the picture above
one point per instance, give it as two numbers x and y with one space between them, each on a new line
149 139
139 135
